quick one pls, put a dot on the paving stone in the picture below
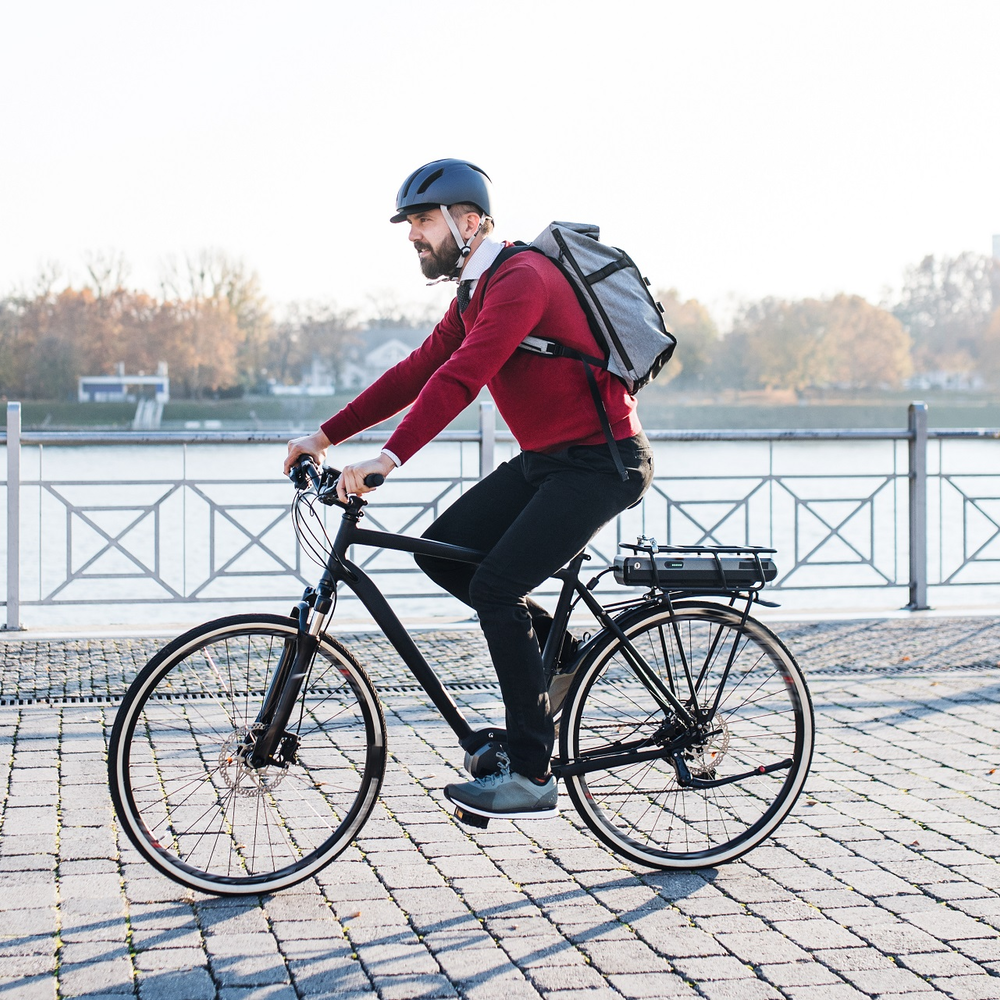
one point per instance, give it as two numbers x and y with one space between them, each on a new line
947 925
322 975
30 987
473 964
170 959
512 987
819 933
112 976
27 966
248 970
275 992
717 967
791 974
939 964
409 987
622 956
173 984
974 987
741 989
889 980
640 985
396 959
761 946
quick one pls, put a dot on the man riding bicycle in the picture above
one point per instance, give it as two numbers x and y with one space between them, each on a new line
537 511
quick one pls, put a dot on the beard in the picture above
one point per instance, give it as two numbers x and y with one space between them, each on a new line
442 260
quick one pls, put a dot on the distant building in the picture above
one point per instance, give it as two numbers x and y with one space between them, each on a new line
122 388
360 374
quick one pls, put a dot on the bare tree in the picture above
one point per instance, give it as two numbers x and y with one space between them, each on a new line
108 271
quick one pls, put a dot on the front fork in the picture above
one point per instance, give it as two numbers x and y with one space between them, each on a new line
269 742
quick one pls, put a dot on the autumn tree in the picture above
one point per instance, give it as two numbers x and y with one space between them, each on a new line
780 344
844 341
868 347
697 339
214 279
200 343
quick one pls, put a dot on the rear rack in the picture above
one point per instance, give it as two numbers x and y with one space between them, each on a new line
695 568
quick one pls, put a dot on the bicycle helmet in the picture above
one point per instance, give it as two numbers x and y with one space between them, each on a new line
443 182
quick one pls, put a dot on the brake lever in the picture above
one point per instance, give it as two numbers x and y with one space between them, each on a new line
327 492
304 474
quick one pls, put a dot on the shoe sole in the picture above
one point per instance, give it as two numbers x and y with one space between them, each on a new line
548 813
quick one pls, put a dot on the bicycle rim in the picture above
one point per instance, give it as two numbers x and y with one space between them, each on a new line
184 796
764 719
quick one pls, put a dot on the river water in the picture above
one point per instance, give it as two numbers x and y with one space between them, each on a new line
209 520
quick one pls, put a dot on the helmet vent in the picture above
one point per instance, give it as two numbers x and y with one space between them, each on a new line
429 180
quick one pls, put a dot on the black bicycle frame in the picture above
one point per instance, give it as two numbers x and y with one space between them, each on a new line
283 693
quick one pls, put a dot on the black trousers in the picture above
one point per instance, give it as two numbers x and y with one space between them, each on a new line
533 515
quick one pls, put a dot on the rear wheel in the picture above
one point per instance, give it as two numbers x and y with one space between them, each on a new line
750 753
185 795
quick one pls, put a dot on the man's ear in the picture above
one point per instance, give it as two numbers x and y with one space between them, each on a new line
470 224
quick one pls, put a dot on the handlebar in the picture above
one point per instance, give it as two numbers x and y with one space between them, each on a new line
305 475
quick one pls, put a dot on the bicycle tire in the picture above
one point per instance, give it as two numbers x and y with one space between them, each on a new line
764 718
186 800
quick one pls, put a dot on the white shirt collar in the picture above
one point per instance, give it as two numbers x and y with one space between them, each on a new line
482 257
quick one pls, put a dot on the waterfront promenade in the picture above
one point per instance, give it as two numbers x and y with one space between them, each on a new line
882 883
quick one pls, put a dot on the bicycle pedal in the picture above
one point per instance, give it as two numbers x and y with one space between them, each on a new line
471 819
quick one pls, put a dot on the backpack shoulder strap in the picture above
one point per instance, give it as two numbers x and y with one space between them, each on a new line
502 258
550 348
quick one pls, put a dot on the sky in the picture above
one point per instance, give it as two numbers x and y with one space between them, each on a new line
736 150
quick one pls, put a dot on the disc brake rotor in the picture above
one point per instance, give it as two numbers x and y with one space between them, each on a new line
241 779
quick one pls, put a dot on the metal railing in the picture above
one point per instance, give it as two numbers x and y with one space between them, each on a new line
910 509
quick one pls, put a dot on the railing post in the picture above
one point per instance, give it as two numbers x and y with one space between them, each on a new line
13 622
487 437
917 425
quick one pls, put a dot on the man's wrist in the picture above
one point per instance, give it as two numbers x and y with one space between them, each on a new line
396 463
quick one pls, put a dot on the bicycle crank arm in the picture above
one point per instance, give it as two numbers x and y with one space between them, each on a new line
687 780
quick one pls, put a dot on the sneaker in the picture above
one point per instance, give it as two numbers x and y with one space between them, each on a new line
505 795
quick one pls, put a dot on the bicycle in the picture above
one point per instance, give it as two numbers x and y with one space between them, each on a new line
249 752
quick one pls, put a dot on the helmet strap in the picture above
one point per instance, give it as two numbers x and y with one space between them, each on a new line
464 249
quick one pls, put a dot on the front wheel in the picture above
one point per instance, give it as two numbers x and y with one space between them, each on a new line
680 797
183 790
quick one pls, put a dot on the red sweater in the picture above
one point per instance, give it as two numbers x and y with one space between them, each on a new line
545 402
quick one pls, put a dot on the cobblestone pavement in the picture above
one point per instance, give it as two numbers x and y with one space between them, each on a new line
882 883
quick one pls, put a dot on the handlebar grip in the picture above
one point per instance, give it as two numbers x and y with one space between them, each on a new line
304 473
374 479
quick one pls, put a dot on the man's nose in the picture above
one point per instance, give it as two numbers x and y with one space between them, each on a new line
414 234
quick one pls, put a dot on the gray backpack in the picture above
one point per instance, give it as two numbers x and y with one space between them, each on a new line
626 321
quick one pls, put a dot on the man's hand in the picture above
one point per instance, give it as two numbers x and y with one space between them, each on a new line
314 444
352 477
